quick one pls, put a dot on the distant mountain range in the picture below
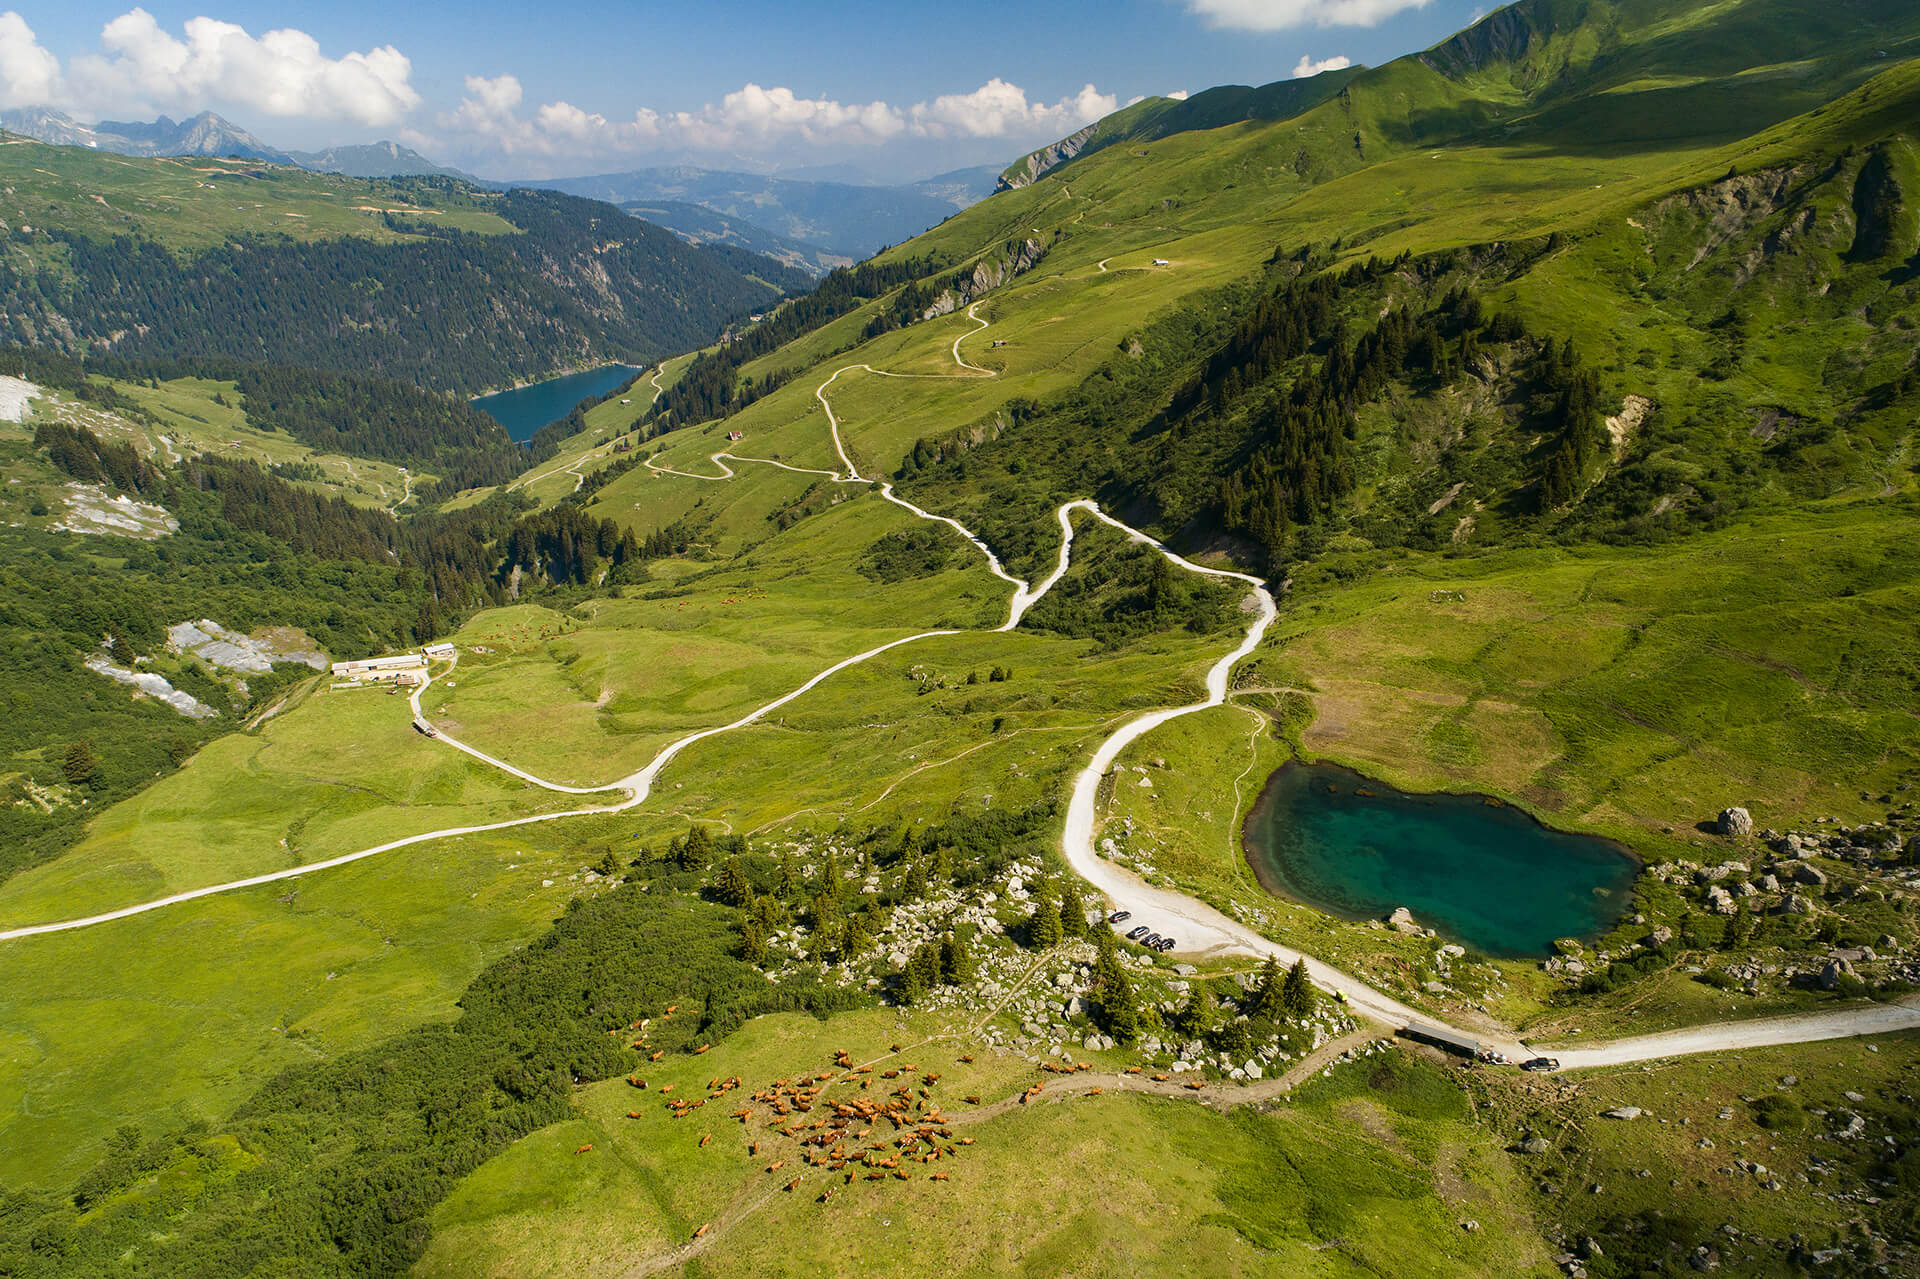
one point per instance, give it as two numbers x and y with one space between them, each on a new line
697 224
810 225
375 160
841 218
204 134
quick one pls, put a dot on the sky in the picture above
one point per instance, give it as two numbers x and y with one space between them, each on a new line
891 91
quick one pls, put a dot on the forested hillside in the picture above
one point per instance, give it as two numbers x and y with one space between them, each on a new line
579 282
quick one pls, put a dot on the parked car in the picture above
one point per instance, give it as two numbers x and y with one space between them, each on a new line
1166 944
1137 933
1152 942
1119 917
1540 1065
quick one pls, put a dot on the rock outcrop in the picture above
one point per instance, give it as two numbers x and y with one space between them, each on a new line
987 275
1031 168
1736 823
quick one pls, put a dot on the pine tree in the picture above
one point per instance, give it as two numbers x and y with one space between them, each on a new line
854 941
956 959
1197 1018
1266 996
922 973
915 886
730 885
696 851
1113 995
1073 911
792 886
81 765
753 941
1298 997
1043 926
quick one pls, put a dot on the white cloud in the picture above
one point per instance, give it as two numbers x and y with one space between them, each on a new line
1278 15
1308 67
29 74
756 118
998 109
281 73
142 67
1178 95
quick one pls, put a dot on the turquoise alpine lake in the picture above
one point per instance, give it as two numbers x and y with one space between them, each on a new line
1476 870
525 409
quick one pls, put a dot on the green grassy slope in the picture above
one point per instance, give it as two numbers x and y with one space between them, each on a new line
1715 615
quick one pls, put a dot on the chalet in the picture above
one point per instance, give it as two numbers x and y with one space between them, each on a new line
734 437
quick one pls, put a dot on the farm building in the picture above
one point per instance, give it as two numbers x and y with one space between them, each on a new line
440 652
365 666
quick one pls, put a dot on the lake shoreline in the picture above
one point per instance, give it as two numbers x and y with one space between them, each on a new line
1263 863
528 408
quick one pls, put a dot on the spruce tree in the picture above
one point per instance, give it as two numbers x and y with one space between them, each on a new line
1073 911
1043 926
730 884
753 941
80 764
1266 996
956 959
1113 995
696 850
1298 997
1197 1018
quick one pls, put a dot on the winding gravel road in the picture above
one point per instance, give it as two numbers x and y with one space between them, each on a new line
1202 931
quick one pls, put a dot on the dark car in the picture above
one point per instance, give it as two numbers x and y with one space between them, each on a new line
1119 917
1166 944
1540 1064
1137 933
1152 942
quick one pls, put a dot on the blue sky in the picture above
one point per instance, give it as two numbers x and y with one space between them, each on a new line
545 89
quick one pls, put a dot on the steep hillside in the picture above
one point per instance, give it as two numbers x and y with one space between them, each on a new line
158 259
1154 118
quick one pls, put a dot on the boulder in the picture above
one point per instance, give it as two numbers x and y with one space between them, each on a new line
1401 920
1797 905
1623 1112
1804 874
1737 823
1536 1146
1836 969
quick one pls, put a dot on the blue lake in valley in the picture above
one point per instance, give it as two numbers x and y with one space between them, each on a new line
1478 871
525 409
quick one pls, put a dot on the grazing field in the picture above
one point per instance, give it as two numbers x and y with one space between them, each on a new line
337 772
179 1015
1327 1183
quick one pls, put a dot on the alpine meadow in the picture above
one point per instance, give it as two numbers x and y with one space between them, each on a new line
1320 680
